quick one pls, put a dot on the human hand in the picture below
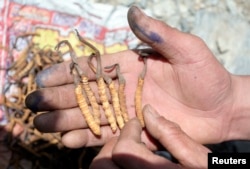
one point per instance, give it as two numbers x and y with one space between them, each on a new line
127 151
184 82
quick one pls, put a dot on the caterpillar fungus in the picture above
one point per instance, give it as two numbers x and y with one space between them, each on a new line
103 92
100 83
83 91
138 92
121 92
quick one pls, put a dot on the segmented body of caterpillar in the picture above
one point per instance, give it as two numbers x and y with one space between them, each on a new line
82 102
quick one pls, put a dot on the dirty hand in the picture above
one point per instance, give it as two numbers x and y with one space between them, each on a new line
184 82
129 152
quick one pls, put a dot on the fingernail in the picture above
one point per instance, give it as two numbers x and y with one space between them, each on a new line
39 80
150 111
138 22
43 75
32 101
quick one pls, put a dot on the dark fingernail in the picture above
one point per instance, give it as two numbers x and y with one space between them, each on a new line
39 80
134 17
33 101
43 75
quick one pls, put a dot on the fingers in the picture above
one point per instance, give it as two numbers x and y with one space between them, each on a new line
103 159
63 120
131 153
85 138
53 98
58 121
59 74
60 97
176 46
187 151
131 132
69 120
55 75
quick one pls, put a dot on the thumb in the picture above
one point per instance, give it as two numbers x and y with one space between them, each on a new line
176 46
188 152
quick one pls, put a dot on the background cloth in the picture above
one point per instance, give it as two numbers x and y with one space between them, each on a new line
105 26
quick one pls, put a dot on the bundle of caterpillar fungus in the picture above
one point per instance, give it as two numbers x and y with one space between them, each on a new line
83 93
100 83
121 92
103 92
83 104
114 96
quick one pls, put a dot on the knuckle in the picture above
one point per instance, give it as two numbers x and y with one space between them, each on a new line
168 129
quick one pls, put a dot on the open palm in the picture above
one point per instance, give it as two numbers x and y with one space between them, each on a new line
184 83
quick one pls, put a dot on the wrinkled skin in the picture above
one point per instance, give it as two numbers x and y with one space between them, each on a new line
184 83
116 154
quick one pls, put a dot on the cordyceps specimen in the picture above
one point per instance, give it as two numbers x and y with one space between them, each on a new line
102 86
84 93
116 112
26 62
138 92
121 93
113 92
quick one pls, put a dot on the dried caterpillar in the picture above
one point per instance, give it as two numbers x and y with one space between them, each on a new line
138 94
82 102
84 93
121 94
92 99
102 92
116 113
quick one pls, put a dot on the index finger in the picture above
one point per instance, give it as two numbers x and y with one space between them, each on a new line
137 155
131 131
59 74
